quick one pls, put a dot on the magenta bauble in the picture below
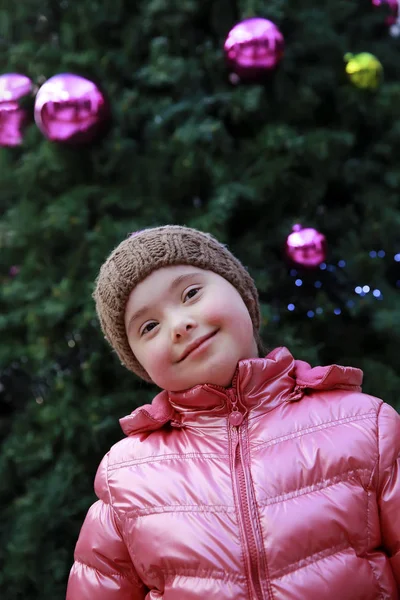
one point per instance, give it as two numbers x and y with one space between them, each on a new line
306 247
14 270
253 48
13 117
71 109
393 6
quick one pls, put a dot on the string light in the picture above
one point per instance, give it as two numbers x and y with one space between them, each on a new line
361 290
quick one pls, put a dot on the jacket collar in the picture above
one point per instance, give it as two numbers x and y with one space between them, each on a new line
259 384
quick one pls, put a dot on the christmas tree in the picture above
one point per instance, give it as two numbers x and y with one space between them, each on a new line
186 145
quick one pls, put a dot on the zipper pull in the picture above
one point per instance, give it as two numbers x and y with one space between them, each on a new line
235 416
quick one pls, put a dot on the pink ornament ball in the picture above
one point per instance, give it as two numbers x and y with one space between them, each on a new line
71 109
393 9
306 247
14 270
13 117
253 48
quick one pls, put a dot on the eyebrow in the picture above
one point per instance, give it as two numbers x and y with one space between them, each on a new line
173 285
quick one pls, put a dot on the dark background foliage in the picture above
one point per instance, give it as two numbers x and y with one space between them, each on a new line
185 146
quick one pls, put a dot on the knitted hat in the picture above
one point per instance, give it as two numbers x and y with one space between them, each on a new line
150 249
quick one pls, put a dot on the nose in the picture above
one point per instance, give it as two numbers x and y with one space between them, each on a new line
182 327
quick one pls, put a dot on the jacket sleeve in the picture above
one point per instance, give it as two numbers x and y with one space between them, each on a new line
103 569
389 484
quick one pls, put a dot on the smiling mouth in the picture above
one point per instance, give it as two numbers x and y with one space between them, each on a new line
196 345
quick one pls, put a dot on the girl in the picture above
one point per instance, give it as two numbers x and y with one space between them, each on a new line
247 477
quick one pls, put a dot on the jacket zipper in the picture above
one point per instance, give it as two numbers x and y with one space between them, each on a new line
255 549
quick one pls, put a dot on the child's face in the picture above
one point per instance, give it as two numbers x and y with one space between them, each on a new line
180 305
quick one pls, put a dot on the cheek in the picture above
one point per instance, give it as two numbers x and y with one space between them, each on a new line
215 310
232 316
229 312
153 355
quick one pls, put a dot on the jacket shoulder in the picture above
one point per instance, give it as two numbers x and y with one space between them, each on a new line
127 449
339 406
120 454
348 402
362 401
138 447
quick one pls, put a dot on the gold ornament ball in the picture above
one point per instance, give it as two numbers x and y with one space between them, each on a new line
365 71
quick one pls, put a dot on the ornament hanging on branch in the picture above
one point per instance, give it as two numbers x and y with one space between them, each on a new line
13 117
364 70
392 7
71 109
254 47
306 247
14 270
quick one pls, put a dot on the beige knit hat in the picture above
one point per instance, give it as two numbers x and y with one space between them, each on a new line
150 249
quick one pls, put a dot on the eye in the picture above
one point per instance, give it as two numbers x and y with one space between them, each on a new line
191 293
148 327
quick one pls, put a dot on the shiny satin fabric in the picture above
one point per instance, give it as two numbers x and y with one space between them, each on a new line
301 500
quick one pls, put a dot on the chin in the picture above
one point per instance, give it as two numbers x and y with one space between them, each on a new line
223 375
220 374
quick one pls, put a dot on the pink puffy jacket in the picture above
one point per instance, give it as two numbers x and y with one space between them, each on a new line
285 486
